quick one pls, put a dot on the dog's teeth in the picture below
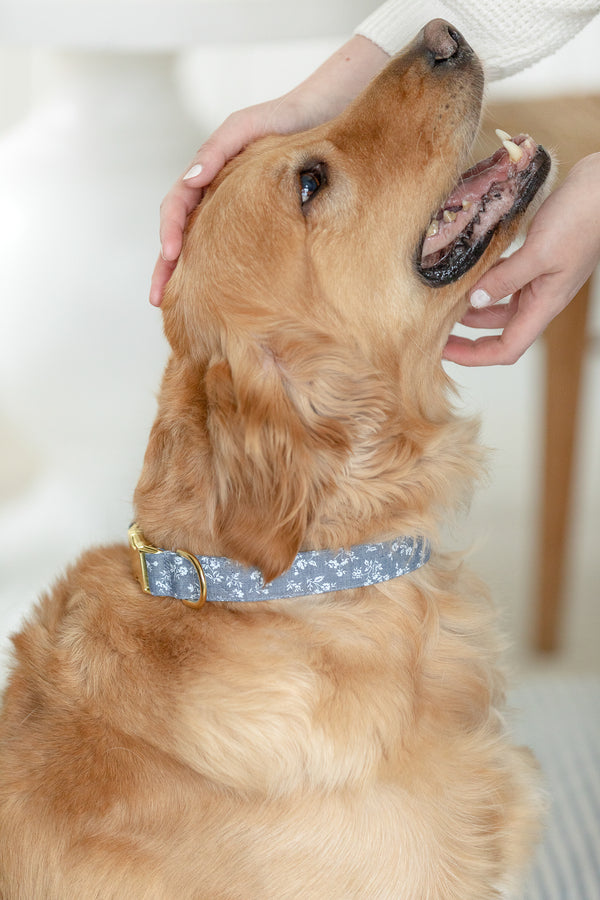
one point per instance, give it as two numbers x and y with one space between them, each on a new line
502 135
467 204
449 216
514 151
531 146
433 229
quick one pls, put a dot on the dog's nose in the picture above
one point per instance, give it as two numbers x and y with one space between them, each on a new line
442 41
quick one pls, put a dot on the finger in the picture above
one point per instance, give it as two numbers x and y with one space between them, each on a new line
174 211
502 349
485 351
509 275
162 272
495 316
463 351
235 133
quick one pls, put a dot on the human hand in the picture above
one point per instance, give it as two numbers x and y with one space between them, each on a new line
238 130
324 94
560 252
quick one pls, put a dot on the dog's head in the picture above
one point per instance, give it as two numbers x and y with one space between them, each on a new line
318 282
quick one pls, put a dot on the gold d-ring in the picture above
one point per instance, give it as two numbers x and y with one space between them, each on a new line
195 604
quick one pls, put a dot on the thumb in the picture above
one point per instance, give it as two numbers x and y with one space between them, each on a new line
507 277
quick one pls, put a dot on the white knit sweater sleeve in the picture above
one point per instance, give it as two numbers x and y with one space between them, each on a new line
508 35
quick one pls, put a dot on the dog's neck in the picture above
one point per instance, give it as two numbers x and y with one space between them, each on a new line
364 476
174 498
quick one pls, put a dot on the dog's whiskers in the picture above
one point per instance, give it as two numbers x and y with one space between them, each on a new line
421 349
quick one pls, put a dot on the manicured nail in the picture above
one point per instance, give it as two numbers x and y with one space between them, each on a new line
195 170
480 298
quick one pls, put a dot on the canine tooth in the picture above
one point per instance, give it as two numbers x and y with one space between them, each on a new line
467 204
502 135
433 229
449 216
514 151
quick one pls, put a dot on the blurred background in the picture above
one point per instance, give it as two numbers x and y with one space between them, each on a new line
102 105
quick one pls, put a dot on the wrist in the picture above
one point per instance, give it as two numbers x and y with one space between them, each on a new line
342 76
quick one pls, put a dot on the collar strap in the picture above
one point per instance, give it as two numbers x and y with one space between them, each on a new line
196 579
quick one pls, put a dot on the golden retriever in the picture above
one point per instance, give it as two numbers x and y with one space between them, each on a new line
340 745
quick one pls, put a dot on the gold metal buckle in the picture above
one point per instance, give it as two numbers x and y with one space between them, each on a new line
139 547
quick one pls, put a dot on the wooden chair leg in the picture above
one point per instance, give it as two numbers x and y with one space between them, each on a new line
565 345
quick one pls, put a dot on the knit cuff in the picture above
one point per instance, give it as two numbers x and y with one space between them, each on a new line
507 36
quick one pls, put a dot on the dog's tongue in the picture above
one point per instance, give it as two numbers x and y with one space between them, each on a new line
488 179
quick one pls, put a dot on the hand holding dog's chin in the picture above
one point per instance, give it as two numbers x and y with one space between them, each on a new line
560 253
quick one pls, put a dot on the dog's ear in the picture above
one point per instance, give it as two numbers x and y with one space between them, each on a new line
282 422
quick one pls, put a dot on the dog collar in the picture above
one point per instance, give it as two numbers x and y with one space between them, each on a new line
196 579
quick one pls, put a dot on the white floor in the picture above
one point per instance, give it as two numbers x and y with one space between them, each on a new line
81 351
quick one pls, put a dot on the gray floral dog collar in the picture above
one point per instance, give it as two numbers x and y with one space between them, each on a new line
196 579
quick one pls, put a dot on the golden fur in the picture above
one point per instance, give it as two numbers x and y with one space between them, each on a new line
344 746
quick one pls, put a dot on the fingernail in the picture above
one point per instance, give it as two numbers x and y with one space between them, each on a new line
195 170
480 298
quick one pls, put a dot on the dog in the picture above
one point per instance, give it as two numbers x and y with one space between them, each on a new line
200 723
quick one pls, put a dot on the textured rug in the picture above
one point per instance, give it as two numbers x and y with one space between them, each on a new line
559 718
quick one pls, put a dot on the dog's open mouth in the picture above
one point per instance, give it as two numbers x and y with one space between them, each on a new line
489 194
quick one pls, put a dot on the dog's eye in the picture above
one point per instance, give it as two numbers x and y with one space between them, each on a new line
310 182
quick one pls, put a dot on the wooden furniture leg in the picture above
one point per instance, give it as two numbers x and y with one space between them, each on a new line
565 345
571 124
